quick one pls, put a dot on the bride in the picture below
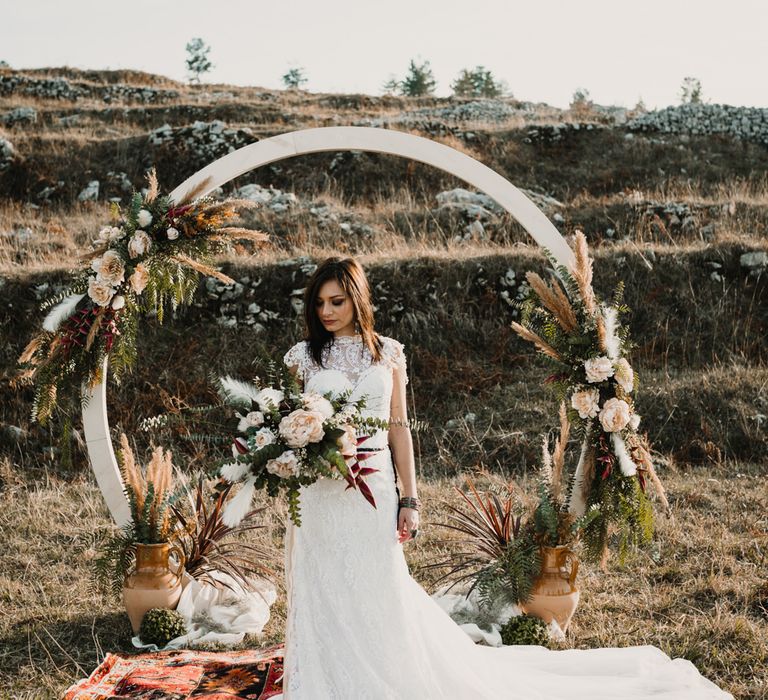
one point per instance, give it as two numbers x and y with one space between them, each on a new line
358 625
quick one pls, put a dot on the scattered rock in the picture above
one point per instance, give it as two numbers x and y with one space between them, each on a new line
64 89
20 115
90 193
7 153
754 261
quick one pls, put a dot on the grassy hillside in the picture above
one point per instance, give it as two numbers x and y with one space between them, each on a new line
680 218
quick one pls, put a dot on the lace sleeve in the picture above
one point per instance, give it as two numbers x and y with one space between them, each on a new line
297 357
394 355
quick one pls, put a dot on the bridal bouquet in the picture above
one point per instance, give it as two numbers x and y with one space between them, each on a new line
583 338
290 438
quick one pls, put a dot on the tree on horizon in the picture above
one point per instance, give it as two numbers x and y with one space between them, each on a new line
197 59
478 82
294 78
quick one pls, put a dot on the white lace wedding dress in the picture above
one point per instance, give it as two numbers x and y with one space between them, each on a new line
360 627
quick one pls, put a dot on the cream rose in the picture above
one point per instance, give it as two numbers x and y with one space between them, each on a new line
253 419
316 402
144 218
109 267
139 244
263 438
598 369
285 465
624 375
586 402
118 302
614 415
634 421
269 398
172 233
100 291
301 427
139 278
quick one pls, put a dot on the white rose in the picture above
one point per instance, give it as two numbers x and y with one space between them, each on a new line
251 420
139 278
624 375
269 398
634 421
614 415
144 218
109 267
586 402
348 443
172 234
118 302
598 369
263 438
316 402
301 427
285 465
100 291
109 234
139 244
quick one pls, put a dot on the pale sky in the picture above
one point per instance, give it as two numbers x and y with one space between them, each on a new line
619 50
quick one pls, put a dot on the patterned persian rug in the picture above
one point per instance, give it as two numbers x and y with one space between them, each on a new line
182 674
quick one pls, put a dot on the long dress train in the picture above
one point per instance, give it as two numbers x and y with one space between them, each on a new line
360 627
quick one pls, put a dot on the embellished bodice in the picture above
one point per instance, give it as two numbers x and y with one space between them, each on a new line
348 366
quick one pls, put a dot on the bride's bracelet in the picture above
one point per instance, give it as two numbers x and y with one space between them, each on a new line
410 502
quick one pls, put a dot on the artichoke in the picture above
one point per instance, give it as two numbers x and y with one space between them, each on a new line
160 625
525 629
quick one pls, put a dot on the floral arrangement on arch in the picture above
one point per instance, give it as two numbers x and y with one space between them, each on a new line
583 338
291 438
151 256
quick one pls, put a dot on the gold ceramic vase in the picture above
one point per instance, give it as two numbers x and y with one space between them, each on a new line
152 584
555 594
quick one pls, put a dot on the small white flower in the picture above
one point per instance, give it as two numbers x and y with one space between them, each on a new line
251 420
109 234
118 302
598 369
634 421
263 438
144 218
234 471
172 233
269 398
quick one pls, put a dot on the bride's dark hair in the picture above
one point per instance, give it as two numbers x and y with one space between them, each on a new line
351 278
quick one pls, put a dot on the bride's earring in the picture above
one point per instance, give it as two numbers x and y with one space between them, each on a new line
358 330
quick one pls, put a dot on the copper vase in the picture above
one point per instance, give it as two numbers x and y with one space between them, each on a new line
555 594
152 584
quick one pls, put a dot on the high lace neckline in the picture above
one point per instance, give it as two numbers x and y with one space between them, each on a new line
347 338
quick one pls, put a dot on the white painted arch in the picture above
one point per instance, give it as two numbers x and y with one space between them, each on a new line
302 142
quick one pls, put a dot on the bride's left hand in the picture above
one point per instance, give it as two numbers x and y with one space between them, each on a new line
407 520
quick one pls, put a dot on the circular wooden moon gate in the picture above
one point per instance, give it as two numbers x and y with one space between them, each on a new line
296 143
